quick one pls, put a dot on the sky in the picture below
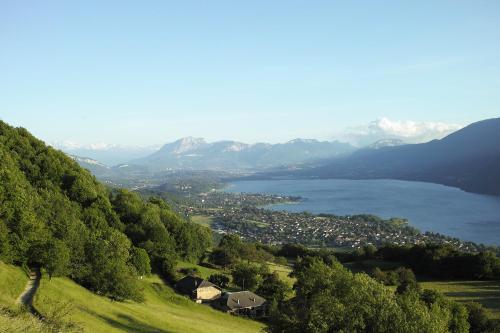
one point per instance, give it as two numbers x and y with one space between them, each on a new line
149 72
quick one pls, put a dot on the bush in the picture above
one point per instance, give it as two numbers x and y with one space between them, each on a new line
220 280
193 271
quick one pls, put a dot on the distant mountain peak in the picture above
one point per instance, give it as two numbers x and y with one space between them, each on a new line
235 147
386 143
299 140
196 153
87 160
185 145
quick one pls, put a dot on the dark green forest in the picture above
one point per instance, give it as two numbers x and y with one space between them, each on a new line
57 216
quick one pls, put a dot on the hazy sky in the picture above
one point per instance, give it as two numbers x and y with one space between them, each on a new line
146 72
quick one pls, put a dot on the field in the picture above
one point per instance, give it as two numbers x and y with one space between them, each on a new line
484 292
162 311
202 219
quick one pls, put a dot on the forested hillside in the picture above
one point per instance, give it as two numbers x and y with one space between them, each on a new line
55 215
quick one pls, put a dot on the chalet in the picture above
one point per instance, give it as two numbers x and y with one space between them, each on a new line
244 303
198 289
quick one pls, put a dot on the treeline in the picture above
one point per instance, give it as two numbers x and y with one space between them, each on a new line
440 261
443 261
55 215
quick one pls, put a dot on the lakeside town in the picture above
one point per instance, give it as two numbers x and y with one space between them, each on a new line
242 214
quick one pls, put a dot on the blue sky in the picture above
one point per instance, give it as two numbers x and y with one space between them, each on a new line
148 72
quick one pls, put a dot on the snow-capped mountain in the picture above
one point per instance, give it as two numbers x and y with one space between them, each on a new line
94 166
109 154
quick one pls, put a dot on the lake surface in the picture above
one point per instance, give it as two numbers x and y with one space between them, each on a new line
427 206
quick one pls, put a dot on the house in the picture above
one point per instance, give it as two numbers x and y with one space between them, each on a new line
244 303
198 289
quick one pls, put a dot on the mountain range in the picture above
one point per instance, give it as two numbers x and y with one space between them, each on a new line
468 159
197 154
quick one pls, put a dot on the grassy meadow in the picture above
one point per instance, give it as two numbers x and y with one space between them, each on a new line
162 310
12 282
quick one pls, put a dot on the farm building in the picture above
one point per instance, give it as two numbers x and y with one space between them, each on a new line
198 289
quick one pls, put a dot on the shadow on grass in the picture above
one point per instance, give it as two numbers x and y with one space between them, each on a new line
128 323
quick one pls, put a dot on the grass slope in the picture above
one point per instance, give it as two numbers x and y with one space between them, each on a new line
12 319
162 311
12 282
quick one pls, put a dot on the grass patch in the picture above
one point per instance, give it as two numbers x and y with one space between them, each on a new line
204 271
12 283
203 220
485 292
22 322
283 272
259 224
162 311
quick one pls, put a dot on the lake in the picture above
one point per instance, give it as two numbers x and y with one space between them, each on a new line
427 206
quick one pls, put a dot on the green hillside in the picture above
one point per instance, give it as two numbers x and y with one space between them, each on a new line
162 310
12 282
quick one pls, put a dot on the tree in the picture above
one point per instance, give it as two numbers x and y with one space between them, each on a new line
56 258
139 259
246 276
369 251
224 257
478 319
406 280
379 275
220 280
273 288
5 247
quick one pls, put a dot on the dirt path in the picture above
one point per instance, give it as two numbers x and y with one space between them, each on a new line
26 297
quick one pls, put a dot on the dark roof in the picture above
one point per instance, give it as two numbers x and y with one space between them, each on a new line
190 283
242 299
